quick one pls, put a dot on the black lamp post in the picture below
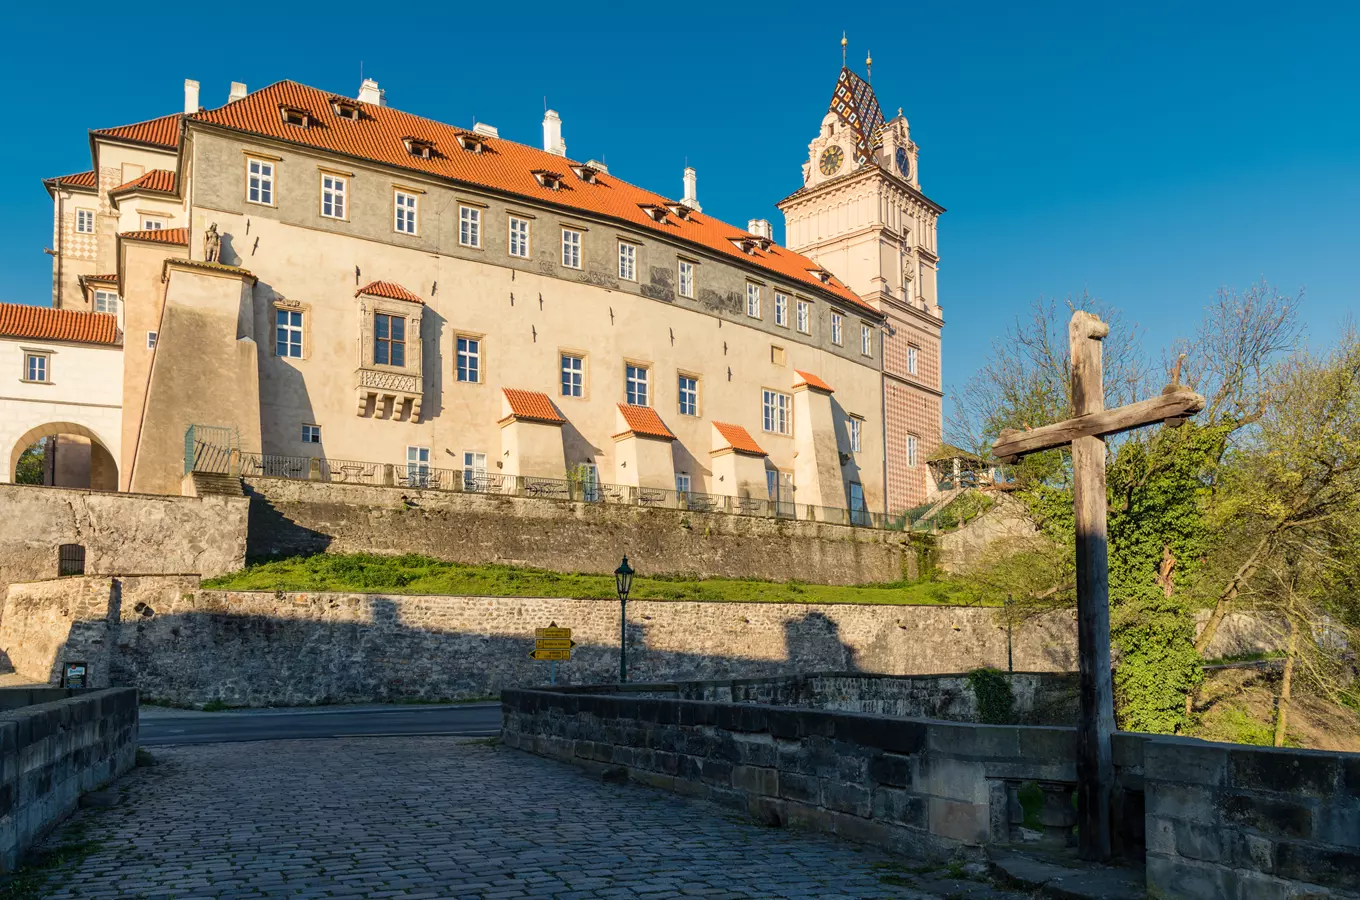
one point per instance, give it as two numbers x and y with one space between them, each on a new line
623 579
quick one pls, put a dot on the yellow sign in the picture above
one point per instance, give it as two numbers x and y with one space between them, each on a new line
551 654
554 644
552 633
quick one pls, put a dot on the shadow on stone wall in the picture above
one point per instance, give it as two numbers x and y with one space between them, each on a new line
286 537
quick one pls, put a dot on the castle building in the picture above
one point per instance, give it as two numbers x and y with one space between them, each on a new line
337 283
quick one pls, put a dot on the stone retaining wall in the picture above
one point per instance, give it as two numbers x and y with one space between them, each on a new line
52 753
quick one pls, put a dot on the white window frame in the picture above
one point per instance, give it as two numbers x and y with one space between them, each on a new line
474 471
686 279
288 335
405 212
752 300
627 261
804 317
913 356
573 370
781 310
571 248
150 223
912 450
37 367
517 243
151 340
334 189
417 466
690 392
311 434
637 384
84 221
470 226
866 340
855 427
108 299
776 408
468 358
260 175
682 482
837 334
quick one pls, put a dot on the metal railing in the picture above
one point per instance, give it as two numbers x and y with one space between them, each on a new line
478 481
211 449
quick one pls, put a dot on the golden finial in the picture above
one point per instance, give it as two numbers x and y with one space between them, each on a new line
869 65
844 42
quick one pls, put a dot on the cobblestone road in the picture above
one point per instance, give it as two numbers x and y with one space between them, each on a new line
437 818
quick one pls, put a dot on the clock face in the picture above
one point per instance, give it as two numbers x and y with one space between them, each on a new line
903 162
832 157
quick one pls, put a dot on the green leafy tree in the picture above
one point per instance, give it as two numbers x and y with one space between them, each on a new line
29 469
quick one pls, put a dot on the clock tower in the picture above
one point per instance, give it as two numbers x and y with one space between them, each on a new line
861 214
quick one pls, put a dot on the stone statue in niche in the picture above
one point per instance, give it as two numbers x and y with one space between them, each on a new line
212 244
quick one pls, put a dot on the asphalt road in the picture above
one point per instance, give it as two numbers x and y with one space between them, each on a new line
167 727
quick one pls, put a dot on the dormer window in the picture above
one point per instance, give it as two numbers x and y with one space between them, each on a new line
746 245
345 108
471 142
657 213
679 210
550 180
295 115
821 275
418 148
586 173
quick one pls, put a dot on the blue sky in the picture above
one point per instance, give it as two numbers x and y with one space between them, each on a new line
1147 155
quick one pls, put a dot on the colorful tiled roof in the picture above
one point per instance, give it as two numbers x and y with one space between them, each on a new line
532 405
160 235
79 179
160 180
812 381
855 104
643 420
389 289
47 324
161 132
738 439
381 134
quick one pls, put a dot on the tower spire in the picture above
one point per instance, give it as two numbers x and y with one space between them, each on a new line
844 42
869 66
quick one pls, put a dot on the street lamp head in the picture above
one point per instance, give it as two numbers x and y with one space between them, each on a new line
623 579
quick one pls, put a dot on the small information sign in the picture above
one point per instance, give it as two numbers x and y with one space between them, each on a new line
75 675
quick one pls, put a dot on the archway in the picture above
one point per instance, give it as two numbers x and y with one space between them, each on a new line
68 455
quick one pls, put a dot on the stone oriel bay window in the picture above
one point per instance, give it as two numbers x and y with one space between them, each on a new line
389 381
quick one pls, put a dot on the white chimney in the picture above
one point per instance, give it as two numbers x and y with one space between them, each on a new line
190 96
552 133
369 92
488 130
692 190
760 228
598 166
238 92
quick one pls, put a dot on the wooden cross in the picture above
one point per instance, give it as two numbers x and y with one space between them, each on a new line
1086 433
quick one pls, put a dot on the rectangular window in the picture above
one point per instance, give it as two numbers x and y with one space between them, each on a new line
474 471
627 261
469 226
753 300
857 507
105 302
332 196
635 379
682 483
153 224
288 333
84 221
151 340
781 310
772 483
686 278
417 466
837 337
311 434
571 248
590 483
689 395
573 376
469 359
519 237
777 409
855 423
389 340
406 210
35 367
912 353
866 340
260 182
804 317
911 450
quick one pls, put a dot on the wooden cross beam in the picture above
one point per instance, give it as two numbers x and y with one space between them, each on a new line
1086 433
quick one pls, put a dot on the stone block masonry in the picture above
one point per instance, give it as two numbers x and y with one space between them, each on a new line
289 517
52 753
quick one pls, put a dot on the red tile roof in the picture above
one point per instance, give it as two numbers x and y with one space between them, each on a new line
389 289
643 420
738 439
79 179
533 405
47 324
380 135
103 279
161 132
160 235
812 381
160 180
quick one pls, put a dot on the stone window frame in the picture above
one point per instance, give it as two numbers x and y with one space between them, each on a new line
753 292
787 407
578 245
37 353
913 451
281 303
779 356
474 220
401 190
480 355
837 329
81 213
343 180
584 357
854 429
866 340
370 307
698 393
680 276
781 309
526 235
272 162
629 253
646 368
913 358
804 316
